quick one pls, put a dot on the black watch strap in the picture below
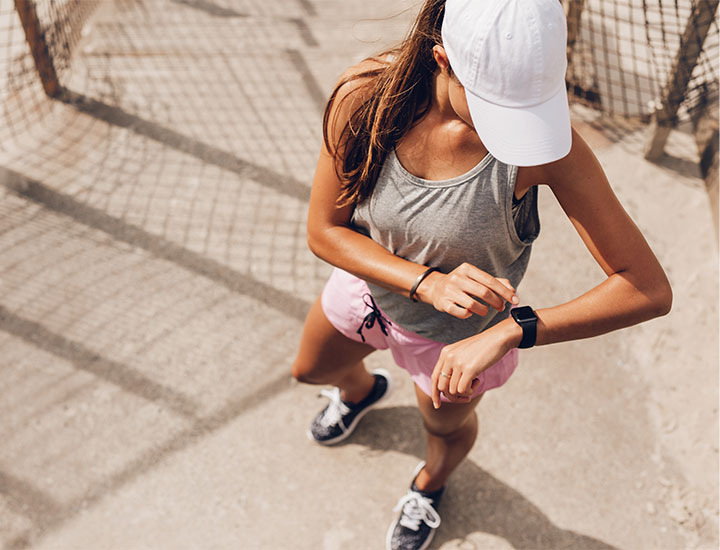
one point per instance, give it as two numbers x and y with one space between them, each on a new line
527 319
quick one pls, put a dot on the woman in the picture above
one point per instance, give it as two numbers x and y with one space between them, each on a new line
425 200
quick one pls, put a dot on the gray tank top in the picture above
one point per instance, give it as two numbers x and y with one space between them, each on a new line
470 218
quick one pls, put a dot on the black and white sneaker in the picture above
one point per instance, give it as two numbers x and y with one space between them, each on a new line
415 528
338 420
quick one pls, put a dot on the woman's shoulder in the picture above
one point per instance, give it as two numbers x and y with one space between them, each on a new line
368 69
354 88
359 79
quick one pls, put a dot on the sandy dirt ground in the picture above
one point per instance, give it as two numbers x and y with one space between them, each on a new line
154 277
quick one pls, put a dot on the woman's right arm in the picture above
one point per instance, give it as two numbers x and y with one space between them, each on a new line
331 238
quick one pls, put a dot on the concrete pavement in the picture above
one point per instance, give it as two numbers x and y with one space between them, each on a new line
153 280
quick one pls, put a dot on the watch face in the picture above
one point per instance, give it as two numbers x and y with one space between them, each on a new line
523 314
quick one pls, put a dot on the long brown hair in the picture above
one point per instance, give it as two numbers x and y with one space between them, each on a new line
399 96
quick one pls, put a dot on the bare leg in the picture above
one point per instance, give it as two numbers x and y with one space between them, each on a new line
451 433
328 357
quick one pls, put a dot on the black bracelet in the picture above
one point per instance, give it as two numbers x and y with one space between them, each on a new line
419 280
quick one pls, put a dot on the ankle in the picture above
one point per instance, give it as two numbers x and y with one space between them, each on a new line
358 390
427 483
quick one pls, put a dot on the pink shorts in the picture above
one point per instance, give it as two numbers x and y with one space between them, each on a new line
346 300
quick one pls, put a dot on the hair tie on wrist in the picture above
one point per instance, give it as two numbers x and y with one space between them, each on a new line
419 280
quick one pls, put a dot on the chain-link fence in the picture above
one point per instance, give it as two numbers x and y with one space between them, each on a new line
625 54
27 74
628 57
650 62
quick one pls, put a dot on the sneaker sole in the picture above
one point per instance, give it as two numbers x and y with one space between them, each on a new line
354 423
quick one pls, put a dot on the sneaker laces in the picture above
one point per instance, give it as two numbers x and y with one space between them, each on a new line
417 508
335 410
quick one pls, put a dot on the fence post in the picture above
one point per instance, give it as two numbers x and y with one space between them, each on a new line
705 127
38 46
691 44
573 12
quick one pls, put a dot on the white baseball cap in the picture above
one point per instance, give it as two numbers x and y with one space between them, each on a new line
510 55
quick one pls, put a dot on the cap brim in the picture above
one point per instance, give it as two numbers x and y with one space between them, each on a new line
527 136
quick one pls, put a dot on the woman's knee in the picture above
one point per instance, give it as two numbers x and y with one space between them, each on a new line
305 371
325 354
451 420
322 369
443 430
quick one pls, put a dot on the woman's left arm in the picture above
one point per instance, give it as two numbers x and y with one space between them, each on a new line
636 288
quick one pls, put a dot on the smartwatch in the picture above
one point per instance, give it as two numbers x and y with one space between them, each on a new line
527 319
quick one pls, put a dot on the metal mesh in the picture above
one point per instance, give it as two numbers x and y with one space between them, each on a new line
627 53
62 23
166 122
23 103
622 55
164 191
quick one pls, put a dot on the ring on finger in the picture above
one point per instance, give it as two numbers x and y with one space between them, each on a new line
445 375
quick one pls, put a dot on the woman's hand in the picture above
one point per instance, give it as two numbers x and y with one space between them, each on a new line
457 293
459 364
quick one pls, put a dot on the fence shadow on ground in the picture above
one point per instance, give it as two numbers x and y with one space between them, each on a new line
481 502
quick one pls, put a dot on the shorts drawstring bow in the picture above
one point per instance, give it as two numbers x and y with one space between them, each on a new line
374 315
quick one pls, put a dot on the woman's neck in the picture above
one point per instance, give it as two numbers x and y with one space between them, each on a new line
441 145
440 97
442 115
